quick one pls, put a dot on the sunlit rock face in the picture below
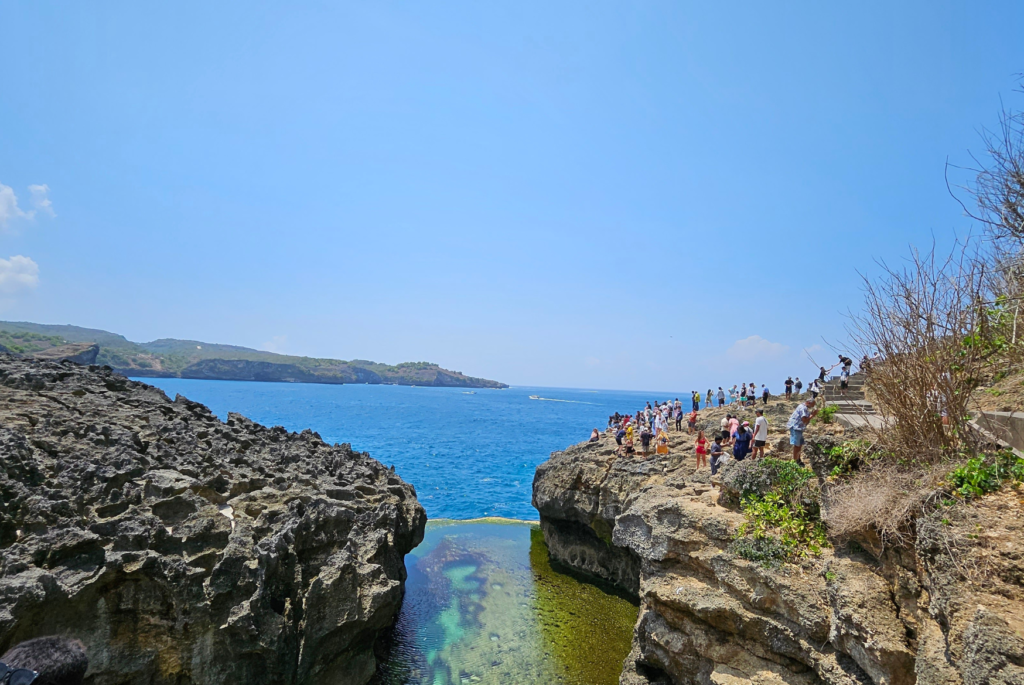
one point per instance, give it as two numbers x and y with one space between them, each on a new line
908 614
183 549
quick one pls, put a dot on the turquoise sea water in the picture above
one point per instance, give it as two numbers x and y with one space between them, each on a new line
469 455
483 605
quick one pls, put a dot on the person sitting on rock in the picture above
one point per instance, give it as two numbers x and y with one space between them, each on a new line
52 660
595 435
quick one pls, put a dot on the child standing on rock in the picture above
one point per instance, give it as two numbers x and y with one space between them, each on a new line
716 455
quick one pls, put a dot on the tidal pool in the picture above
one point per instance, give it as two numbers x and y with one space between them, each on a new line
483 605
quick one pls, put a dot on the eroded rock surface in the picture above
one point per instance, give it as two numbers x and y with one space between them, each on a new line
183 549
660 528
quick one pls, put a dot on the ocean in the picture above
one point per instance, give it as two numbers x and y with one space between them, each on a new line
469 453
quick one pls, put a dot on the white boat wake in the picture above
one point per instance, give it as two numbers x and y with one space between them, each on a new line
549 399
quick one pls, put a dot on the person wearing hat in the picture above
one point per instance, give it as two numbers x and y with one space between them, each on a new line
741 442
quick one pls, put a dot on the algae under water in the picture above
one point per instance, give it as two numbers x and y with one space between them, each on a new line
483 605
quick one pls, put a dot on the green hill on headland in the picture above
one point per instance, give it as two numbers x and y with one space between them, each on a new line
170 358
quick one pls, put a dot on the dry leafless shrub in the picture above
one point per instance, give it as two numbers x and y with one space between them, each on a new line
882 498
939 324
998 186
928 322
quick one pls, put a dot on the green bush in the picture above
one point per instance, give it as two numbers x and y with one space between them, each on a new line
767 551
782 511
827 414
848 457
986 473
761 476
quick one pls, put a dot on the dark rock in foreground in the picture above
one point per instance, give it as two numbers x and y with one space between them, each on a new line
182 549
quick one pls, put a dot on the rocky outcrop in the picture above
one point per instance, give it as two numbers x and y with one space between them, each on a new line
900 616
79 353
243 370
183 549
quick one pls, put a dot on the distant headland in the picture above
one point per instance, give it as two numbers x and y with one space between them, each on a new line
171 358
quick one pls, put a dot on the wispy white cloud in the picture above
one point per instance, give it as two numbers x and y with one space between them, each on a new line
756 348
10 211
17 274
41 200
277 344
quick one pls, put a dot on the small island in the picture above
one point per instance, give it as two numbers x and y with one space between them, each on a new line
172 358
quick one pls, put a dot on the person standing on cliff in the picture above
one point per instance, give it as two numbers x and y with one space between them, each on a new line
760 434
798 385
679 417
721 397
798 421
789 387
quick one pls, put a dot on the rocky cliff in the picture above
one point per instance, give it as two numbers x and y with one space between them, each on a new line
183 549
855 614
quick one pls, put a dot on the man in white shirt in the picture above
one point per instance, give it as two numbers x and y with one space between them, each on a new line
760 434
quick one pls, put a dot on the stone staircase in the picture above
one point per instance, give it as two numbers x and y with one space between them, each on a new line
854 409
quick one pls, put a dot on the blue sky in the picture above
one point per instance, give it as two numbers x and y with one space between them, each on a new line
655 195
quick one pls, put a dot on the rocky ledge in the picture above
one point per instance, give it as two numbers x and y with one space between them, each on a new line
183 549
856 614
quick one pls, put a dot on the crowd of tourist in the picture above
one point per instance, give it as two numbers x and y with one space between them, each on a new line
651 424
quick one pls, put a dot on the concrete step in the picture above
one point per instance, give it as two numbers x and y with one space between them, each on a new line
850 395
859 420
852 406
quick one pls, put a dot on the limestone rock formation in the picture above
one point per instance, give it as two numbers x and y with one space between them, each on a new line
183 549
80 353
906 615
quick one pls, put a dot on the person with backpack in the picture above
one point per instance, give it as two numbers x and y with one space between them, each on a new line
798 385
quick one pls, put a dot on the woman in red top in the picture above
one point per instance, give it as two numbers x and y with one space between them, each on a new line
702 450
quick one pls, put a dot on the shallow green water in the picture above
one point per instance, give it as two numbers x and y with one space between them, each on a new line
483 605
